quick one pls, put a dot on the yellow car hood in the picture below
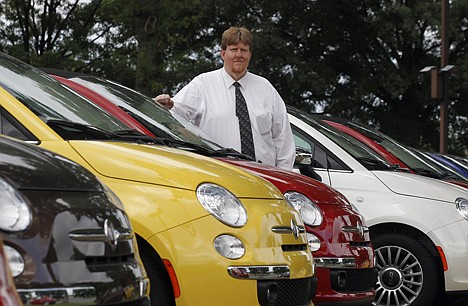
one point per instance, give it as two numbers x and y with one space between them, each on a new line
171 167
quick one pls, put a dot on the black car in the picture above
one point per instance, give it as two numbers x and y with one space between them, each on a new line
66 234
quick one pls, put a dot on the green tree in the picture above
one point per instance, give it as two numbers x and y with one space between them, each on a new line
71 35
358 59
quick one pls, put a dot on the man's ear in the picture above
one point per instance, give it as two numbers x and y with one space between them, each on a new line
223 53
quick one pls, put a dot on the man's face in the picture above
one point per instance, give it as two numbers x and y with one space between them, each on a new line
236 58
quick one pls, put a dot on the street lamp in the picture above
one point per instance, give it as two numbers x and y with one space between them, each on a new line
440 79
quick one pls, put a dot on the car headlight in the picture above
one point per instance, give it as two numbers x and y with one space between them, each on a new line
222 204
15 214
310 213
462 207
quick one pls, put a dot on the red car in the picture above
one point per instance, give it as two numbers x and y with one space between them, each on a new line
394 152
338 237
43 300
8 294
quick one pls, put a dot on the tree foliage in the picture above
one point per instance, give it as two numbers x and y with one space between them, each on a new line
359 59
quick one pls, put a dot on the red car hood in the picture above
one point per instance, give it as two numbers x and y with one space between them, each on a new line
288 180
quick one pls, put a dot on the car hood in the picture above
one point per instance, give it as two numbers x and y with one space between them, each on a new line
420 186
25 166
171 167
290 181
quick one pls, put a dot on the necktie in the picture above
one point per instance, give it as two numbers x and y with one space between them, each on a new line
247 146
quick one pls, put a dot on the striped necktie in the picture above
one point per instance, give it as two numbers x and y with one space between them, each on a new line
242 113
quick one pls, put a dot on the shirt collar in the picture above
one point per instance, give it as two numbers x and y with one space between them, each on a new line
228 80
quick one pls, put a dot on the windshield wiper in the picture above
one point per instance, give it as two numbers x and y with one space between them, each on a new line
77 131
134 135
229 152
186 145
373 164
427 172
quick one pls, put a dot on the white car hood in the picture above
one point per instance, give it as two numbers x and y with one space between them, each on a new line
420 186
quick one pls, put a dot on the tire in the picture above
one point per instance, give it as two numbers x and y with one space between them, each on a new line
161 292
408 272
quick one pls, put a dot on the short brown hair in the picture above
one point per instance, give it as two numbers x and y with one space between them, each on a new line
234 35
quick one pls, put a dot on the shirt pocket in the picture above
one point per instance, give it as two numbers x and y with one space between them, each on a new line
264 123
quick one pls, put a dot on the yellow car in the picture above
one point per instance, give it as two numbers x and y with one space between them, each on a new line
208 233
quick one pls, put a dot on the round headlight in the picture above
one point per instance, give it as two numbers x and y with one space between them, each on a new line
15 214
310 213
462 207
15 261
222 204
229 246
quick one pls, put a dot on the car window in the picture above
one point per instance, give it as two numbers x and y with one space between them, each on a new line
49 99
154 117
11 127
321 158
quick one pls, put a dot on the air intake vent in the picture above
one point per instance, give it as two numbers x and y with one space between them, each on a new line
100 262
293 247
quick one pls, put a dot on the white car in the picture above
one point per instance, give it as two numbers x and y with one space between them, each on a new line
418 225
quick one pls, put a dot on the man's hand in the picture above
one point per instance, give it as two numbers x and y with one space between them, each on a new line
164 100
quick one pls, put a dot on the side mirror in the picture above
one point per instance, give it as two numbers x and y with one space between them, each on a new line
303 163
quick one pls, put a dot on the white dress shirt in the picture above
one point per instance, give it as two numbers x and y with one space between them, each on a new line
208 101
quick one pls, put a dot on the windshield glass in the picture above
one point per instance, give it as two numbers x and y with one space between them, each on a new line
416 162
361 153
49 99
154 117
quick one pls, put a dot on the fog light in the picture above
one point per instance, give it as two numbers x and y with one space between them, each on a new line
15 260
338 279
229 246
267 293
313 241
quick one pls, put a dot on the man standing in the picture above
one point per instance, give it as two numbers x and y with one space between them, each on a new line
238 109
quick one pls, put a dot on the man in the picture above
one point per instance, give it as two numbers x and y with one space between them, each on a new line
210 102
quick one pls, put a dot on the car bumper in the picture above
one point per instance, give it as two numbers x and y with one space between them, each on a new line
272 264
453 239
343 283
87 295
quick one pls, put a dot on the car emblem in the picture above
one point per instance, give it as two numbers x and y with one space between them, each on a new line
294 229
358 229
112 235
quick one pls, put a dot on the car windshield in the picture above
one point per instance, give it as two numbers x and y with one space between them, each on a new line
417 163
50 100
361 153
154 117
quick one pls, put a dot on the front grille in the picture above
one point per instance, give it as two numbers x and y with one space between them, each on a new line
291 292
142 302
293 247
353 280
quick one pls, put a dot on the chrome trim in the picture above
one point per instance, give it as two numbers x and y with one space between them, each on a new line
294 228
358 229
80 296
335 262
72 296
259 272
99 235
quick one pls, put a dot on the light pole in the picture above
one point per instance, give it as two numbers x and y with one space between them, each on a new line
440 78
444 56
